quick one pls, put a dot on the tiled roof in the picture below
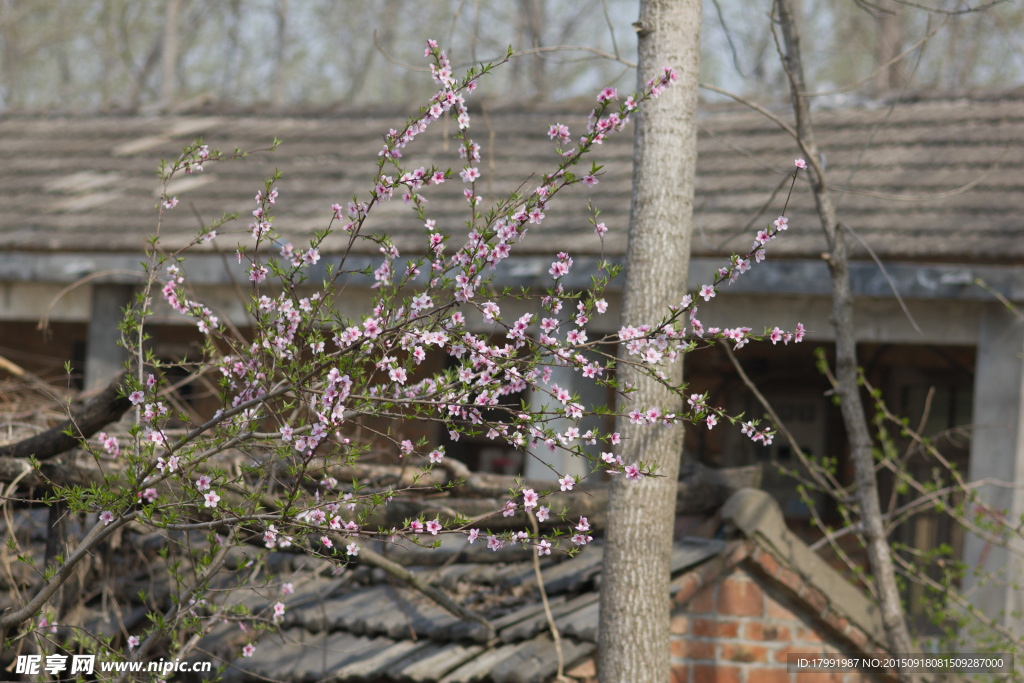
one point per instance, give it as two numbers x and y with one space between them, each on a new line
372 628
87 184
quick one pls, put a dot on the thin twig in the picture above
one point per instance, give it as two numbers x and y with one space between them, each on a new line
891 62
1002 299
829 486
885 274
560 676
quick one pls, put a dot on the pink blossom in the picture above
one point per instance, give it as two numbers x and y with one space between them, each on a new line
248 650
109 444
433 526
590 180
352 549
560 131
133 642
473 535
328 543
707 291
633 472
600 229
258 274
800 331
372 328
530 499
436 455
211 499
544 547
542 513
801 164
566 483
607 94
287 589
106 517
203 482
136 397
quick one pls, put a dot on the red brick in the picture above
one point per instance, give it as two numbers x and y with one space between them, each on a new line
858 638
700 649
688 585
814 598
704 601
768 564
773 675
790 579
781 655
777 611
679 624
810 635
677 647
715 674
739 652
758 630
819 677
680 674
711 628
740 598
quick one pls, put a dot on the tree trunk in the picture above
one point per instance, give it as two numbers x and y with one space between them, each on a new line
856 423
633 635
168 76
891 24
278 80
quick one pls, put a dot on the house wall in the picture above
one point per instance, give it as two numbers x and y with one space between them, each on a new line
739 629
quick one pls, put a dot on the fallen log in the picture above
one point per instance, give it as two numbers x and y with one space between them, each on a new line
97 413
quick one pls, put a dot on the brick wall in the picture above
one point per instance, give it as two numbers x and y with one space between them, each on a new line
738 628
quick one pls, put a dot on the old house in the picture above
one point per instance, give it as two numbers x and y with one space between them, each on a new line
932 187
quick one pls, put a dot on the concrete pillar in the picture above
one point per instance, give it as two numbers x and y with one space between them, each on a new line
590 395
997 452
103 357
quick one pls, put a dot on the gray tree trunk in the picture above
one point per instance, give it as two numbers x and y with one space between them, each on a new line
634 618
169 72
857 430
278 80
